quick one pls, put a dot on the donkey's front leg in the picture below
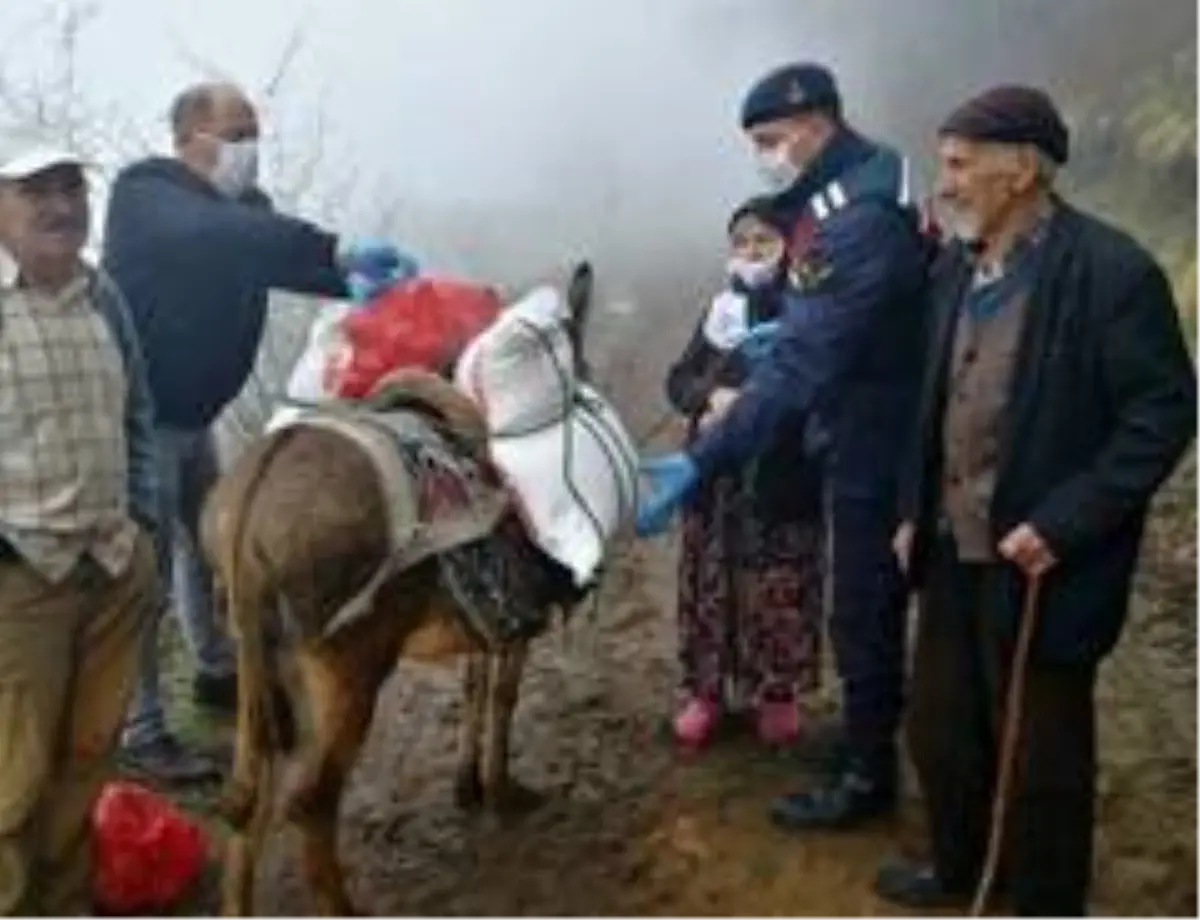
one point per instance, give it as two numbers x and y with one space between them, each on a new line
501 793
468 782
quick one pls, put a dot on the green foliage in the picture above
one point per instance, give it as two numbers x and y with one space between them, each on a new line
1135 162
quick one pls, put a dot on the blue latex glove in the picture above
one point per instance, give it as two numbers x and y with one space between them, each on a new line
672 477
377 260
759 341
364 288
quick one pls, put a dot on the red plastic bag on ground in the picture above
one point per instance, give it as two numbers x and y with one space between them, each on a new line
147 854
422 323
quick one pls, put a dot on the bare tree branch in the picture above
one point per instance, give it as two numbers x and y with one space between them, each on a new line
52 97
207 68
282 69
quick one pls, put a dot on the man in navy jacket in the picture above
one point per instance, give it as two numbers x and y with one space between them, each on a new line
844 360
195 246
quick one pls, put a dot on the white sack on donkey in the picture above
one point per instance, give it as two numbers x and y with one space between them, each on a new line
308 383
558 442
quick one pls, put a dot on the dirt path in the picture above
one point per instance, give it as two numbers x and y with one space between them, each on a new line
631 830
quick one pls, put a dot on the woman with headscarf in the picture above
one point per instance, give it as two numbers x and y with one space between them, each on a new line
750 575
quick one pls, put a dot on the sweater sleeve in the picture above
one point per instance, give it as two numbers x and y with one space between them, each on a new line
688 384
270 250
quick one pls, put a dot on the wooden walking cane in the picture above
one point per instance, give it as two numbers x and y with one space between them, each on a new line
1010 742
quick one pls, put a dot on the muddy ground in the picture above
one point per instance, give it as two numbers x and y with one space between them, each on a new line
630 829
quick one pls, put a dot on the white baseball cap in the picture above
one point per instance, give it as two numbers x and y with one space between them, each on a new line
29 161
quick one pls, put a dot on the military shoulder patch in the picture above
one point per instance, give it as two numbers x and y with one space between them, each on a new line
809 273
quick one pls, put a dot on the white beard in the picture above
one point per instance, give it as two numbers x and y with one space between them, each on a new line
962 226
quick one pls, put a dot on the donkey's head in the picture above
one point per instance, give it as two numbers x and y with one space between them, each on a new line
579 302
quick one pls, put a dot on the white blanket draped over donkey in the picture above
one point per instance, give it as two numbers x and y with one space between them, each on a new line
298 528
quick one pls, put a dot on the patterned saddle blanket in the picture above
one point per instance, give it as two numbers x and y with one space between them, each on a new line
448 502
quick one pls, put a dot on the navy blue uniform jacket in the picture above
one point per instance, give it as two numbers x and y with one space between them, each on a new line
195 268
852 331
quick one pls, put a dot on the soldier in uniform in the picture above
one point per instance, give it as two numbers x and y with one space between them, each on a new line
842 361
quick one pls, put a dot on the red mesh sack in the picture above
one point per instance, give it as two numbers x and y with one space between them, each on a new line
422 323
147 854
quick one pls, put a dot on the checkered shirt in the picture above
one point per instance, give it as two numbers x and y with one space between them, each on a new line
63 451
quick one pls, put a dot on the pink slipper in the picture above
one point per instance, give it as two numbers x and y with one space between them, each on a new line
695 722
779 723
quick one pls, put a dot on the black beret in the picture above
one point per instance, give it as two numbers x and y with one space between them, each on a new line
791 90
1012 115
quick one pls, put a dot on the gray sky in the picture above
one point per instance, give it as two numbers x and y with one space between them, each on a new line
592 123
446 103
443 97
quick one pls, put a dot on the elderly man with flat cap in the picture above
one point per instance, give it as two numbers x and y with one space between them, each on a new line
1059 395
195 246
843 364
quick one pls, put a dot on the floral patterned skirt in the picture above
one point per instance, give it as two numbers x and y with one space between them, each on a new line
750 600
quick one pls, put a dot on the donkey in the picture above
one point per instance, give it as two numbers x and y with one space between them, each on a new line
294 531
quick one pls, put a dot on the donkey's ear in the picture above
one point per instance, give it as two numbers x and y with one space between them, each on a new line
579 301
579 291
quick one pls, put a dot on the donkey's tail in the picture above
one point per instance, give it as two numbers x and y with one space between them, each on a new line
249 600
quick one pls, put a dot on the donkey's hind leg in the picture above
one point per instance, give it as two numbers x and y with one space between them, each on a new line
501 793
247 804
340 692
245 845
468 783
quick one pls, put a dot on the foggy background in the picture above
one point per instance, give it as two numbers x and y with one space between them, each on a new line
504 139
597 123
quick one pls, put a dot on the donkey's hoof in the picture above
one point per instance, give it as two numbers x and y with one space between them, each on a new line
516 799
307 800
236 805
342 913
468 790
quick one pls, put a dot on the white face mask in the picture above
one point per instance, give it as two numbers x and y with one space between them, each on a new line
751 273
237 167
776 169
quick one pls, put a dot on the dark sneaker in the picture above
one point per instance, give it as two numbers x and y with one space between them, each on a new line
167 761
216 693
823 748
919 887
853 797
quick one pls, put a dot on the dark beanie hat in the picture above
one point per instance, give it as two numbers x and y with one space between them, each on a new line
762 207
791 90
1012 115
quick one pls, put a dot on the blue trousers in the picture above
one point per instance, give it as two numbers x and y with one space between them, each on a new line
867 619
187 468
